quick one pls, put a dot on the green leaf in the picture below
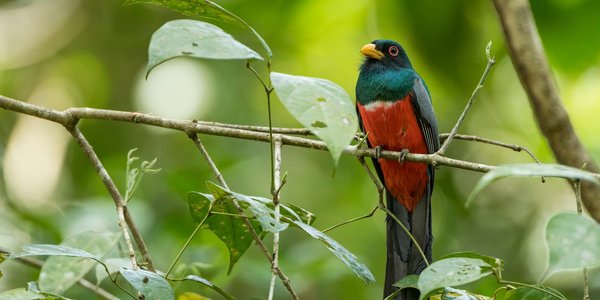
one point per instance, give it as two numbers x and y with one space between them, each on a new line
541 170
205 9
191 38
151 285
113 265
321 106
224 222
456 294
257 205
200 8
22 294
573 241
49 250
496 263
60 272
410 281
450 272
32 286
199 205
210 285
531 293
349 259
294 212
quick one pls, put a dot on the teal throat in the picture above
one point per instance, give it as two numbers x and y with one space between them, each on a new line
377 84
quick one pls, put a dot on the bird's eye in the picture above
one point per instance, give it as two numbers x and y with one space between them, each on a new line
393 50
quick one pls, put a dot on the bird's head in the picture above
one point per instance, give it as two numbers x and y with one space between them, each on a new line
385 54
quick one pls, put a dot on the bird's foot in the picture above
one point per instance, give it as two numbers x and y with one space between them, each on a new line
378 152
402 156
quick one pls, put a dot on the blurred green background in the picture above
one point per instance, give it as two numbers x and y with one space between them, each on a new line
65 53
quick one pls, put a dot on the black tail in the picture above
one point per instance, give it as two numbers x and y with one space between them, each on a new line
403 258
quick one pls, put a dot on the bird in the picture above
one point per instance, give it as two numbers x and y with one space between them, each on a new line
396 114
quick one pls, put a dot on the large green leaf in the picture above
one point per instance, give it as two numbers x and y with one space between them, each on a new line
151 285
200 8
451 272
410 281
541 170
574 242
60 272
191 38
224 223
340 251
543 293
321 106
49 250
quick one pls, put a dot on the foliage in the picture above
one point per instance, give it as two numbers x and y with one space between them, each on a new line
327 110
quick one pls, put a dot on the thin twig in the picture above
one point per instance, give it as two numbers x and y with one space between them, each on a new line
577 187
36 263
490 64
109 184
586 287
284 279
139 241
478 139
276 189
280 130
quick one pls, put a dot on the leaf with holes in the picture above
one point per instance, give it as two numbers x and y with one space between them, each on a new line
197 39
540 170
451 272
321 106
574 242
349 259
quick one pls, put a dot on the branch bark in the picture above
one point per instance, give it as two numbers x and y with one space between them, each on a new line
193 126
527 54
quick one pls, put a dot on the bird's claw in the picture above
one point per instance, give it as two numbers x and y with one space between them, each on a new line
403 154
378 152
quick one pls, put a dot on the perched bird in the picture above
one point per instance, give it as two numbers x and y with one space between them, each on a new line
396 114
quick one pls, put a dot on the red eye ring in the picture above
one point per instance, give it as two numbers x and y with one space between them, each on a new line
393 51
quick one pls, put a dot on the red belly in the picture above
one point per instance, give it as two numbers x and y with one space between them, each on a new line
395 127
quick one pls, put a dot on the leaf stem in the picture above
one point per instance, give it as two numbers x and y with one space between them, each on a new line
187 243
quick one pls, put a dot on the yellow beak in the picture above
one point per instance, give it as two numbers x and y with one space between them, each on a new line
369 50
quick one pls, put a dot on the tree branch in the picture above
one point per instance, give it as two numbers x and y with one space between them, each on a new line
193 126
527 54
